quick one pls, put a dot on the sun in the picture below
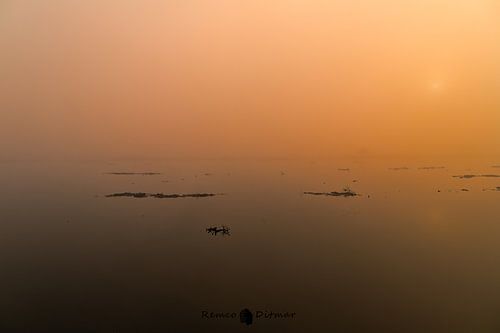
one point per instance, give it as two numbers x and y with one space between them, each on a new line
436 86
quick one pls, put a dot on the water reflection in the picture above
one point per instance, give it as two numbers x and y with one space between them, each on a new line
407 258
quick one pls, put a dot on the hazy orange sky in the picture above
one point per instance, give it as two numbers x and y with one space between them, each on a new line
259 78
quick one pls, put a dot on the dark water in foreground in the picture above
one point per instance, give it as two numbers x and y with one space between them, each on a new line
402 257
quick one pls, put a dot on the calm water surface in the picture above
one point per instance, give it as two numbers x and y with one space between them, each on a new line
413 253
